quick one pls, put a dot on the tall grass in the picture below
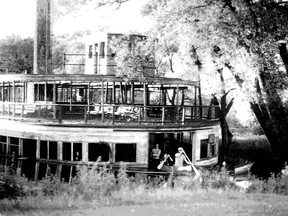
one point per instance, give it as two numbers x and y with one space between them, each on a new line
98 185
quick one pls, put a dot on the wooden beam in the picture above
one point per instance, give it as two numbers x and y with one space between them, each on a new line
132 93
195 102
60 150
13 94
125 93
177 102
200 102
2 89
45 92
121 93
88 97
71 89
8 90
145 101
106 93
85 152
54 100
23 93
113 93
102 101
37 149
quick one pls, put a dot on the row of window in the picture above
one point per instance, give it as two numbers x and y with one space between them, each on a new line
71 151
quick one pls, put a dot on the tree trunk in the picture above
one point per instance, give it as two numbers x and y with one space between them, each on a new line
225 131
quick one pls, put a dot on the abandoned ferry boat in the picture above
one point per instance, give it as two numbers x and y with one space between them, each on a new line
59 121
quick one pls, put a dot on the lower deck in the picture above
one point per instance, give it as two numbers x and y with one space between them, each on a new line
36 149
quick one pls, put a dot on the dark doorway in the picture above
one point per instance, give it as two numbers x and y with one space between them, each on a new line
29 158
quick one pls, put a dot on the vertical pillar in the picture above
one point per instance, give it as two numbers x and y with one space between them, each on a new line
177 102
54 100
200 102
72 150
37 149
20 153
145 100
102 101
71 89
8 91
125 93
36 171
13 92
23 93
106 93
195 103
60 151
2 89
113 93
121 92
132 93
85 152
13 99
45 92
88 97
48 154
38 92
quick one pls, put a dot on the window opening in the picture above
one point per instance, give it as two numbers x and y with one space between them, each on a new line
125 152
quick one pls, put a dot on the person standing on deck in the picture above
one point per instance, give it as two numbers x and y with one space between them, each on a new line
180 159
155 155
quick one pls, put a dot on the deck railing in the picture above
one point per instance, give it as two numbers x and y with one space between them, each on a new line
107 113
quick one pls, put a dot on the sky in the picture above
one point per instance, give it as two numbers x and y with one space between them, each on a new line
18 17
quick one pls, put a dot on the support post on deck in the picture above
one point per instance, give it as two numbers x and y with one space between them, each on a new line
54 100
8 92
132 93
20 152
183 115
85 152
23 93
125 93
45 92
163 115
102 101
113 93
13 92
60 150
200 102
38 92
71 89
37 149
13 99
2 92
145 100
177 102
195 103
87 111
72 150
121 92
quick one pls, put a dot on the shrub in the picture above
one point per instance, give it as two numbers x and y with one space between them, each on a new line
94 182
273 185
11 185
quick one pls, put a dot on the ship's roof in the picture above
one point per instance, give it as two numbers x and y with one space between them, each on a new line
91 78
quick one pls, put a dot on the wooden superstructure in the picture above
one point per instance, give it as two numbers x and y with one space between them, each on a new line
63 120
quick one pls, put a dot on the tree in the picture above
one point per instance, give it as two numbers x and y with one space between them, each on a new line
139 56
252 38
16 54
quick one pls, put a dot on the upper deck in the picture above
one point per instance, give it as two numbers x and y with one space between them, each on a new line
103 101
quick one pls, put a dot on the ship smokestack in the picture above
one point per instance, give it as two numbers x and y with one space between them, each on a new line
42 39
